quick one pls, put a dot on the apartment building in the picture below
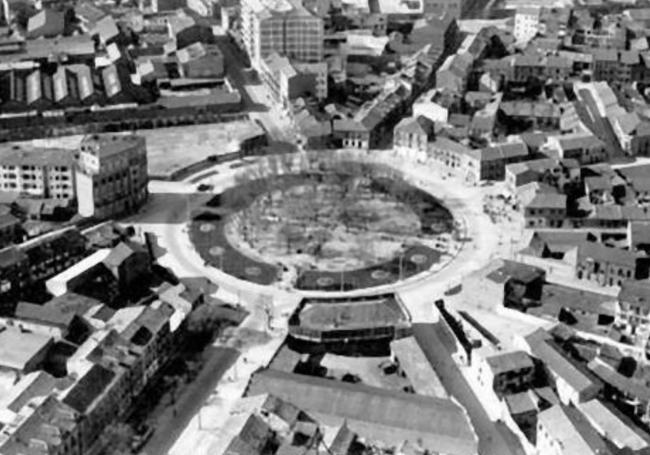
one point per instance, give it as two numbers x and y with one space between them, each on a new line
506 373
37 172
112 175
285 27
633 309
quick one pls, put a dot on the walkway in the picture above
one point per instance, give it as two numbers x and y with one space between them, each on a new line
494 438
170 426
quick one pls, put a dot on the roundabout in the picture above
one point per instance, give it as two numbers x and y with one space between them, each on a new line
333 225
173 209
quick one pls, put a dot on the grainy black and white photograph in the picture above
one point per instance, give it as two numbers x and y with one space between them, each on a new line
324 227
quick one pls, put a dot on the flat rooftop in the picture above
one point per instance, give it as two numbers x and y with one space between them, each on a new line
350 315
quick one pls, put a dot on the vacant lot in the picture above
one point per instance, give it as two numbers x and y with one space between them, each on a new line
172 149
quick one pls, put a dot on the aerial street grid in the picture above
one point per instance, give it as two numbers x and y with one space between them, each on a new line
325 227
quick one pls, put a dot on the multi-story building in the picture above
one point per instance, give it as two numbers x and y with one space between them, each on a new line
507 373
37 172
573 382
584 147
565 431
546 209
633 309
111 177
412 136
609 266
288 82
285 27
43 427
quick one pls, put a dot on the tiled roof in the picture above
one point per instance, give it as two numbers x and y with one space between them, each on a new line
509 361
22 155
548 201
89 388
440 424
601 253
570 371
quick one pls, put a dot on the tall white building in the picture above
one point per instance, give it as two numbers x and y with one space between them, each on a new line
37 172
282 26
112 175
526 23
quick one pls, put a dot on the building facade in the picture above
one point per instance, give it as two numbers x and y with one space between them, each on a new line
507 373
42 173
284 27
111 177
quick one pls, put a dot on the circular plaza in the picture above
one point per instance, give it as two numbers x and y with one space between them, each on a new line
333 225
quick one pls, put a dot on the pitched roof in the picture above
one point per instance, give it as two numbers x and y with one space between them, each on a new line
572 431
121 252
89 388
602 253
636 293
545 200
416 125
519 403
106 28
43 314
570 371
509 361
439 423
614 425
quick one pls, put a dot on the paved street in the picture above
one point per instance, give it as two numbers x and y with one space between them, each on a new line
170 426
167 215
494 438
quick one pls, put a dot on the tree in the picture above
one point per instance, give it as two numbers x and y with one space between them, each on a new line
207 319
117 438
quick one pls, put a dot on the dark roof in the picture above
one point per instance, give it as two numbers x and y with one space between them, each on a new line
11 256
636 293
509 361
573 373
517 271
557 296
626 385
518 403
43 314
73 303
599 252
89 387
252 438
439 423
122 252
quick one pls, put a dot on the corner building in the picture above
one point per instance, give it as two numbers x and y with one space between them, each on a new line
111 175
283 26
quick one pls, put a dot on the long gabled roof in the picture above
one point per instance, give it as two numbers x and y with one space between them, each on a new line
439 423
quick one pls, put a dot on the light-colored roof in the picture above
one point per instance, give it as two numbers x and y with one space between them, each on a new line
569 371
521 402
18 348
440 424
543 200
563 430
26 155
614 426
111 79
60 281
